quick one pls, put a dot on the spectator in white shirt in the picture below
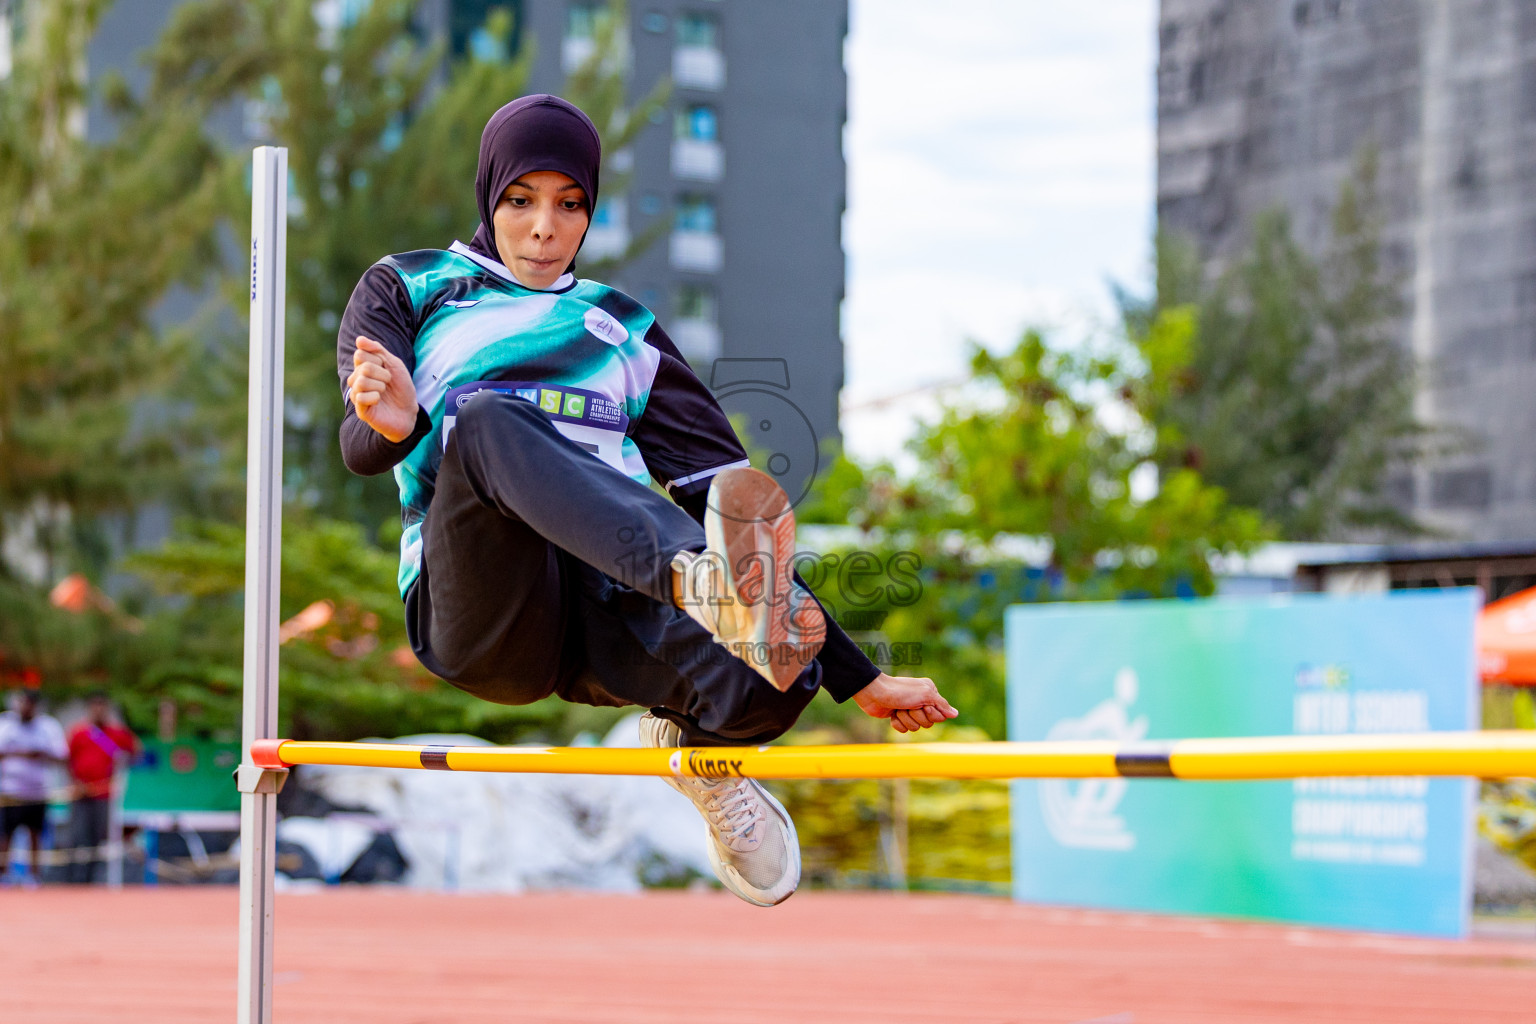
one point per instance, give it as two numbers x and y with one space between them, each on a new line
31 743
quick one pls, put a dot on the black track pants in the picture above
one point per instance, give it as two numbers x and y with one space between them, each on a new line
89 818
545 571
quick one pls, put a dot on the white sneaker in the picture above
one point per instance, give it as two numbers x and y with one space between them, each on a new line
741 587
752 843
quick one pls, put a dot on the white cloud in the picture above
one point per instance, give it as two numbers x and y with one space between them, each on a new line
1000 159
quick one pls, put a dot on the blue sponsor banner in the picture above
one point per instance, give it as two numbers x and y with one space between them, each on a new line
1381 854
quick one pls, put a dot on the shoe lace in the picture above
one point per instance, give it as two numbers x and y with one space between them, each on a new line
705 592
734 809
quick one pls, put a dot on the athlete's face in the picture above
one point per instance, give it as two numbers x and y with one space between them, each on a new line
539 223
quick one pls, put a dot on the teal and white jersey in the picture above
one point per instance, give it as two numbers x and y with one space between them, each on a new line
577 350
593 359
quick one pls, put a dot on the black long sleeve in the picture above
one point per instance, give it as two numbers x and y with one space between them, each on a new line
379 309
683 434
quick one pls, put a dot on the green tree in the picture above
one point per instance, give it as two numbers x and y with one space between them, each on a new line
96 235
1297 399
345 670
1042 457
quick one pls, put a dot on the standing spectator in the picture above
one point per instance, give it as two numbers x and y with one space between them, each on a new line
98 746
29 743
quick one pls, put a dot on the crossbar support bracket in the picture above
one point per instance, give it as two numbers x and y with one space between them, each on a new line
252 778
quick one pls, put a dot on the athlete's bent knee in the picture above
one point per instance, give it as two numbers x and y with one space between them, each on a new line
486 675
509 689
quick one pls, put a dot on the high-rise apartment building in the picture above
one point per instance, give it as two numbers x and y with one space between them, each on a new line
1265 103
744 174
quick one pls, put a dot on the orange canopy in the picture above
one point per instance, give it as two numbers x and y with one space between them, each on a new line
1506 640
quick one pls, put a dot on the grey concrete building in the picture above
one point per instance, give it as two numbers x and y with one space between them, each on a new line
1265 103
745 173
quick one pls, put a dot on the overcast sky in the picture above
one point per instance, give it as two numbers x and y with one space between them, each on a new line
1000 166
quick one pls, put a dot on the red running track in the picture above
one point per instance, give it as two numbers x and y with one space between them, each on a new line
396 957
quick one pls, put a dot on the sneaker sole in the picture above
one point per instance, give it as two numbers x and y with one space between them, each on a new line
755 519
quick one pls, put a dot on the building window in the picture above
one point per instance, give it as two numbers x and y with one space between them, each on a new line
695 328
696 245
696 151
697 62
696 302
467 33
698 122
1470 488
584 23
608 235
695 213
581 20
700 30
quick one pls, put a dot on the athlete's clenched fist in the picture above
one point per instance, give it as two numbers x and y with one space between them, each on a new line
381 390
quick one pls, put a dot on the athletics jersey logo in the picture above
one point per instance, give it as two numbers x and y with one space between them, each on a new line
461 303
605 327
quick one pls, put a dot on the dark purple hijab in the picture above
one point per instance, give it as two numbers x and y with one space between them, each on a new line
534 133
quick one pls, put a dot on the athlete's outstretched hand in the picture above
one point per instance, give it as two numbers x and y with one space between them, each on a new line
381 390
910 703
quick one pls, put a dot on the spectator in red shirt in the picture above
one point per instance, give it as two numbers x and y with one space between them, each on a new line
98 746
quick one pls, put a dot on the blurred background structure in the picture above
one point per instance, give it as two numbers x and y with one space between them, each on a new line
1271 104
755 127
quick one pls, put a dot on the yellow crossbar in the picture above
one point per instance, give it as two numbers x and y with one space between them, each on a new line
1477 754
